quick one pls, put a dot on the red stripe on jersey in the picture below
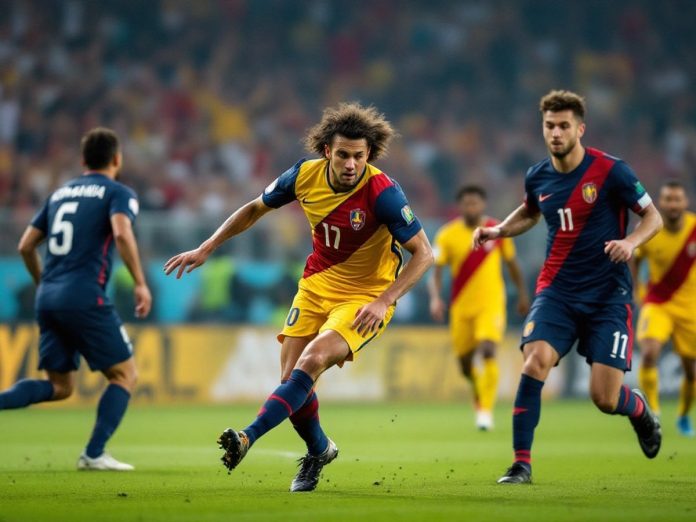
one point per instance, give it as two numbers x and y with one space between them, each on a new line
564 241
101 278
675 276
629 329
337 237
471 263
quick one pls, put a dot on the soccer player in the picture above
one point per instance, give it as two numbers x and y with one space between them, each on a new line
584 289
82 221
669 307
352 278
477 297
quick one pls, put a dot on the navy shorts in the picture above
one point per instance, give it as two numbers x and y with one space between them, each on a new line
604 332
96 333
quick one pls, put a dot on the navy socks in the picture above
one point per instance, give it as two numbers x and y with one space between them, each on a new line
306 423
112 406
629 405
526 417
26 392
287 399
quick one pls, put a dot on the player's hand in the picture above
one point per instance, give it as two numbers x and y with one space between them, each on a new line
437 309
523 305
483 234
143 301
619 250
369 317
186 261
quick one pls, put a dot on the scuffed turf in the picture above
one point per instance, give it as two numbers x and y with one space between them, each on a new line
398 462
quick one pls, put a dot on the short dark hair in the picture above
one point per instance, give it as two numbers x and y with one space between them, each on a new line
99 146
559 100
355 122
673 184
471 189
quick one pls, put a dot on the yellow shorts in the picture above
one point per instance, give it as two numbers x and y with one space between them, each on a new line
311 314
663 321
469 331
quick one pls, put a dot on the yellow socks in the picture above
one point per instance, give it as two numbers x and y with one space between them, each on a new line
488 387
649 382
686 396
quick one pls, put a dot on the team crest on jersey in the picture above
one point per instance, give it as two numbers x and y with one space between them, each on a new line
357 218
589 192
528 329
691 249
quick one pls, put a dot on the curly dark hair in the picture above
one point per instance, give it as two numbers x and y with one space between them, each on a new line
354 122
556 101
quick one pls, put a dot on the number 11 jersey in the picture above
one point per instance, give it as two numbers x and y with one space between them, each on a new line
583 210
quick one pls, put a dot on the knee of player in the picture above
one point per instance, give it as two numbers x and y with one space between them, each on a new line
62 390
603 402
537 366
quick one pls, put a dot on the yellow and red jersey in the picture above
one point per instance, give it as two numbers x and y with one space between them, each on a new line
477 278
354 233
671 266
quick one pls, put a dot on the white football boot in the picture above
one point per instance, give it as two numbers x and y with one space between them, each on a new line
103 462
484 420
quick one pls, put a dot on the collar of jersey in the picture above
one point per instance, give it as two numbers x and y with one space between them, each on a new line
328 179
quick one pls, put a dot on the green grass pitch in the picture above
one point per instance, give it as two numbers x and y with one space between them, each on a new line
398 461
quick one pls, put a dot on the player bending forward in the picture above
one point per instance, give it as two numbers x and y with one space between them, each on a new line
669 308
82 221
351 281
584 290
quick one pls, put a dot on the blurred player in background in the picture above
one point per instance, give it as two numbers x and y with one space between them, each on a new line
669 307
351 281
584 289
477 296
82 221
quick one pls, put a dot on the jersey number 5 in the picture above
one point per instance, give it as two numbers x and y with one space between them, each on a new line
62 226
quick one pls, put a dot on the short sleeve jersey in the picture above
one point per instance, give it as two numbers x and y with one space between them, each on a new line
76 219
583 210
355 234
477 277
671 258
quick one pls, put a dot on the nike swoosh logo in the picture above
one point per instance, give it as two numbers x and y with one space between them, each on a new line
305 201
544 197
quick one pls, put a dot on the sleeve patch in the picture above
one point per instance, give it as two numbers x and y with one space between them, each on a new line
134 206
407 214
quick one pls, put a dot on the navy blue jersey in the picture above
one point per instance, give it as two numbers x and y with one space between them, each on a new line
583 210
76 219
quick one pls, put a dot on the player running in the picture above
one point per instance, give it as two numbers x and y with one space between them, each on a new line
669 307
584 289
351 280
477 296
82 221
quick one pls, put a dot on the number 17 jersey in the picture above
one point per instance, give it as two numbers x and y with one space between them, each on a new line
354 233
583 210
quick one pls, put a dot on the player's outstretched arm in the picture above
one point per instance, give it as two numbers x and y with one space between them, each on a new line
27 246
518 222
621 250
127 246
237 223
369 317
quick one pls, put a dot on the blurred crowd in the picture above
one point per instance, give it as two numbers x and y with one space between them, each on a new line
212 97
